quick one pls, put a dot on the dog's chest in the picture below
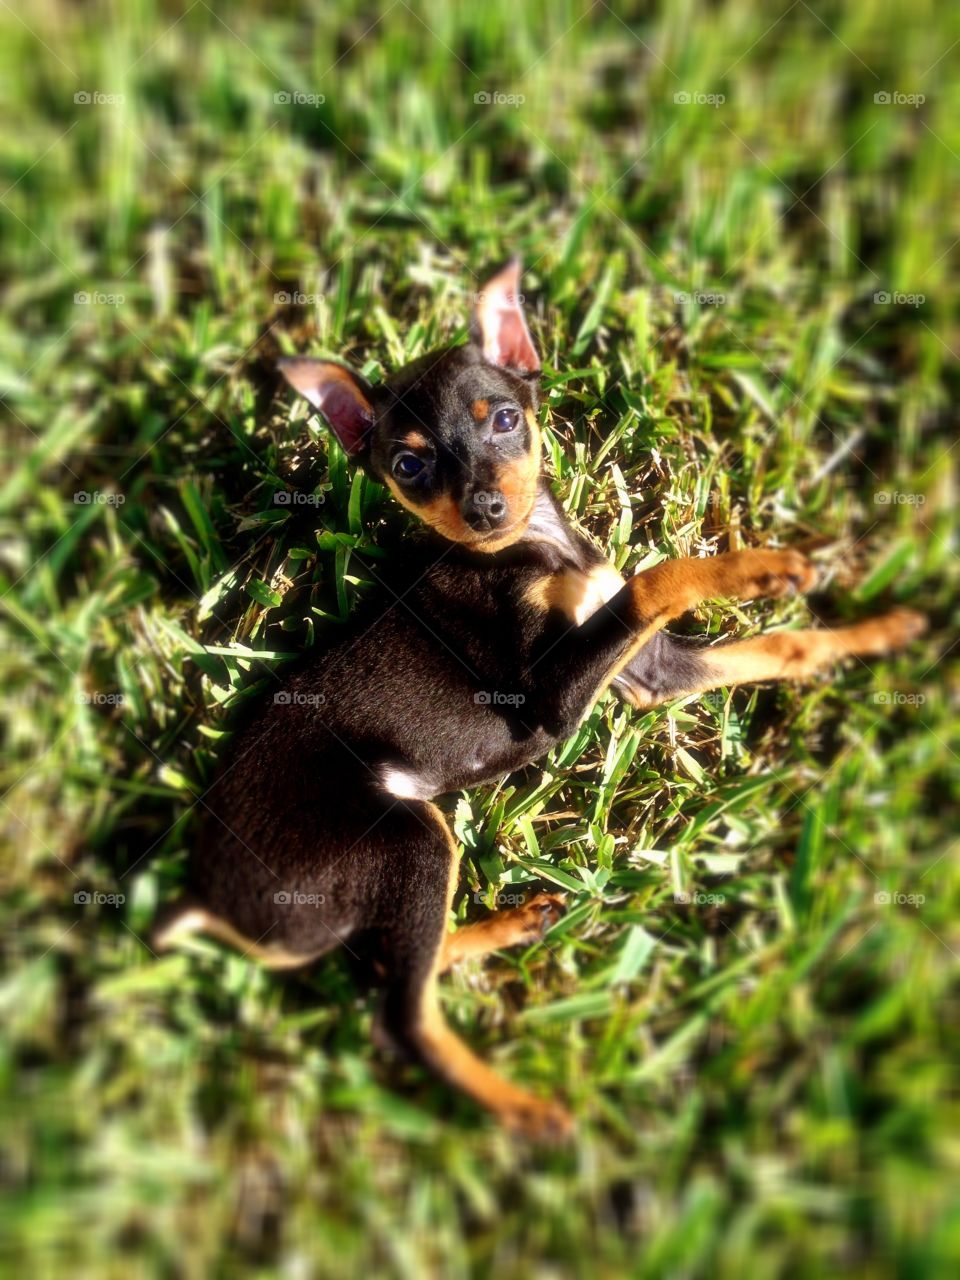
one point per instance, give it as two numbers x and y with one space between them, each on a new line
575 592
574 581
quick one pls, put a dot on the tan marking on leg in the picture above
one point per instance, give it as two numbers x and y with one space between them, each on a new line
454 865
669 589
517 1110
674 586
538 593
514 927
199 920
798 655
512 1106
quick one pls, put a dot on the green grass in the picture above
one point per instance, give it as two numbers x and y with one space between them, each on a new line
763 1073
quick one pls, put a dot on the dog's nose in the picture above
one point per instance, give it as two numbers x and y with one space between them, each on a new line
485 509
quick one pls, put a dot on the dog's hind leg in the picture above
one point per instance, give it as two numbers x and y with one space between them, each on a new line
512 927
671 669
413 952
187 917
358 864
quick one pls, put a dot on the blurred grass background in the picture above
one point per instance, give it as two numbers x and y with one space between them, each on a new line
752 1004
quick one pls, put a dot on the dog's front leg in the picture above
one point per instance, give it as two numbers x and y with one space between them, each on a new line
574 669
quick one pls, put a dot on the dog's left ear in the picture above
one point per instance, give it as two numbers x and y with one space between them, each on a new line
341 395
499 327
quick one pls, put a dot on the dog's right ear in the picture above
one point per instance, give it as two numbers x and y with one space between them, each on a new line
340 395
499 327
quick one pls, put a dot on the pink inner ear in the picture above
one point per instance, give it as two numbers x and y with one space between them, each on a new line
510 343
348 414
506 338
335 392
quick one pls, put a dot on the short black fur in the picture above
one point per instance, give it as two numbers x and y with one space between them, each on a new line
491 635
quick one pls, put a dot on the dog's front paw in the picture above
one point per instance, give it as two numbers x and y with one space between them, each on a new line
538 915
772 574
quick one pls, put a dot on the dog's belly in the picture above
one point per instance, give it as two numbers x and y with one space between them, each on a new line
414 776
410 708
480 747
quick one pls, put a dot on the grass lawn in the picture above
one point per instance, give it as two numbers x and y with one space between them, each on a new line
740 229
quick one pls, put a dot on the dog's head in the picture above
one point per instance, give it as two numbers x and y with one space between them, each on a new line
454 434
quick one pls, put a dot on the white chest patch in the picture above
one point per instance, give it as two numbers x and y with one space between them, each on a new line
597 587
577 594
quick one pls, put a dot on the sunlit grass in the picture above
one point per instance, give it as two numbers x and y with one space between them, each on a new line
758 1047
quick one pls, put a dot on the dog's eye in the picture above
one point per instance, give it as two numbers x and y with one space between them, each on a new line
506 420
407 465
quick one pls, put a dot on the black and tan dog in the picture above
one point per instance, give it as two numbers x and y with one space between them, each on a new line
493 636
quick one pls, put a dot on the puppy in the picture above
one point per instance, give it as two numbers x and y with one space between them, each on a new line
490 638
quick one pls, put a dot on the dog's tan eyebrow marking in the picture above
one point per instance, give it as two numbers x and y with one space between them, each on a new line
415 439
480 410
